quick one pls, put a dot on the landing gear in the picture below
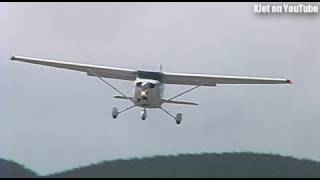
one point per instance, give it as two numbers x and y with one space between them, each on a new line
178 118
144 114
115 113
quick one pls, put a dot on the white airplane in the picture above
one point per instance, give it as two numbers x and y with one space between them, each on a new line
148 85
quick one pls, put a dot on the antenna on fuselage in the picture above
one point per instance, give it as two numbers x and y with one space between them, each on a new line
160 68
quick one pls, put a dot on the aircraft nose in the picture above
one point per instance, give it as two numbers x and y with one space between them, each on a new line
144 93
143 96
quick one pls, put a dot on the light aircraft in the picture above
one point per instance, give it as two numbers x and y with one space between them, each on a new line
149 85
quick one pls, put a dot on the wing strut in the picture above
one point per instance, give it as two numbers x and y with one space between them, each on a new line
189 90
128 108
110 85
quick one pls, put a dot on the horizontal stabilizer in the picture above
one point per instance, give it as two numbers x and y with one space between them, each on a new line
122 97
179 102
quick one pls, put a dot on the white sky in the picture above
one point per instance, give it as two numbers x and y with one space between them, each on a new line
53 119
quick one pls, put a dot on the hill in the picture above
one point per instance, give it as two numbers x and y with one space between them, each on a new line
204 165
10 169
189 165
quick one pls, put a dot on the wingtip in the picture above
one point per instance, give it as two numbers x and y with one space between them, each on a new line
13 58
289 81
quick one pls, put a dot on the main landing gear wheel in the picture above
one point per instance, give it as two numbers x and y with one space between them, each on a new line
115 113
178 118
144 114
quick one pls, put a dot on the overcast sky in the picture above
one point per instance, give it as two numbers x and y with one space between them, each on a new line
53 119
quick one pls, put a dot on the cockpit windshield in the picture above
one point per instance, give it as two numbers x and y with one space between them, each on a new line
150 75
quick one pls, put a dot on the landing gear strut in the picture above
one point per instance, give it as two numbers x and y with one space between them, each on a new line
177 118
115 111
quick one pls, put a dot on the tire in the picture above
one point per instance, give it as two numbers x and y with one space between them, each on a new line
144 114
115 113
178 118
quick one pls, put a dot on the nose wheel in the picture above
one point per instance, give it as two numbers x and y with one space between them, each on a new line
144 114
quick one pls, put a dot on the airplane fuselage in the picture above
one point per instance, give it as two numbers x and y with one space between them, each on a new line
148 93
148 89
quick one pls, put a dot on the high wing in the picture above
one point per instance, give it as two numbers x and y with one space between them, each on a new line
170 78
213 80
102 71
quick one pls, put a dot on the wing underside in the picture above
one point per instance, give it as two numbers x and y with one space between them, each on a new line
213 80
103 71
169 78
